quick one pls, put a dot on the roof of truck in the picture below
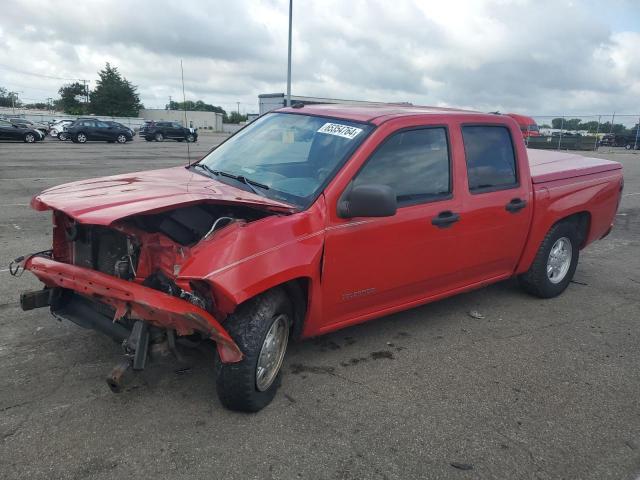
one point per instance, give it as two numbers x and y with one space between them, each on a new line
377 113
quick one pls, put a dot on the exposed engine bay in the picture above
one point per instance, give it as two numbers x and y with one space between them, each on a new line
188 225
149 248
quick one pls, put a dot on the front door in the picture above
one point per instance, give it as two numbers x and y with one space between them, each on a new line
375 264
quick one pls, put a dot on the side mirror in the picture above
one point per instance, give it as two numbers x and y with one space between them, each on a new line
370 200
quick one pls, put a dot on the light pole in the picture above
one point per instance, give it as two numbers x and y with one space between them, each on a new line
289 59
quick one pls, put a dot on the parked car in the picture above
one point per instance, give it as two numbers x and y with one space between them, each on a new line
58 127
159 131
11 131
82 131
24 123
121 126
310 220
629 142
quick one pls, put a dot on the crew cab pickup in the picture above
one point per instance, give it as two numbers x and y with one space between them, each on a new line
311 219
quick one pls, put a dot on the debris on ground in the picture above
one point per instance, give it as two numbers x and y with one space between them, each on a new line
461 466
476 314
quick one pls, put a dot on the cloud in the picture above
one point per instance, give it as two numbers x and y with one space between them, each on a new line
532 56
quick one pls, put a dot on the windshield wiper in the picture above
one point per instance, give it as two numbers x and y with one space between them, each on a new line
241 178
205 167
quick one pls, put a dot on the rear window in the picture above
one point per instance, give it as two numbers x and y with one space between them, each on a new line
491 162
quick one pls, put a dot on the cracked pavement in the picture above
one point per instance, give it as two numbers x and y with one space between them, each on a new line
539 389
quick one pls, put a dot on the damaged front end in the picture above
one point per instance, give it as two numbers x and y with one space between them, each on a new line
124 279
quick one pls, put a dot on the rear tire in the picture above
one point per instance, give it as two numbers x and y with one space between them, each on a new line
260 327
80 138
158 137
555 262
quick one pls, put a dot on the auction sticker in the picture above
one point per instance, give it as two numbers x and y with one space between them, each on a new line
340 130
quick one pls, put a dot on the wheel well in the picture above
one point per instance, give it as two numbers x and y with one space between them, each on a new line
581 222
298 291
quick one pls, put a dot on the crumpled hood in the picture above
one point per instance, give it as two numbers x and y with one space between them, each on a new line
102 201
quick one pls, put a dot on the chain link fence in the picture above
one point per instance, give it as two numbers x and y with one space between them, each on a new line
599 132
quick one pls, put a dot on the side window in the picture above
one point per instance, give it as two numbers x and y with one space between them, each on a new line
415 163
491 162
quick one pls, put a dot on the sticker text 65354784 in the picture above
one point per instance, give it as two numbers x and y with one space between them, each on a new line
340 130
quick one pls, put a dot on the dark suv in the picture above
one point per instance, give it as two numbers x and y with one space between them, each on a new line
159 131
83 130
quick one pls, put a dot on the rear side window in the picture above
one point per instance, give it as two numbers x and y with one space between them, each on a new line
491 163
415 163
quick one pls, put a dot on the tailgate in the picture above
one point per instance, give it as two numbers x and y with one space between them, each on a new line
548 166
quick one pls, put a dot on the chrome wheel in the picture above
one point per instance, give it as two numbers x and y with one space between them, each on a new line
159 137
559 260
82 138
122 139
272 352
29 138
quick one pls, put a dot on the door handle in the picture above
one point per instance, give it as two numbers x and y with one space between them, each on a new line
445 219
515 205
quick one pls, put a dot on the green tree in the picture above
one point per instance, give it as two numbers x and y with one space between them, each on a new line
235 117
557 123
71 96
9 99
37 105
198 106
114 95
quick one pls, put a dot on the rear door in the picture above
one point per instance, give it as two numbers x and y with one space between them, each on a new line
497 201
103 131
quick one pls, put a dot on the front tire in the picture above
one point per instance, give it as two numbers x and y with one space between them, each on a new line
158 137
29 137
260 327
121 138
554 264
191 138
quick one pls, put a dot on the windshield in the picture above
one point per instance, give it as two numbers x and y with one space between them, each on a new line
289 157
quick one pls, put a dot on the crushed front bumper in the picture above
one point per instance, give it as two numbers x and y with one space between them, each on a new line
134 301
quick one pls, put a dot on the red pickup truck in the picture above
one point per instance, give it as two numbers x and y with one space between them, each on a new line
309 220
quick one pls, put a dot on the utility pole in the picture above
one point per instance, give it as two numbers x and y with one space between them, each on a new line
86 90
238 107
289 58
13 100
49 103
169 102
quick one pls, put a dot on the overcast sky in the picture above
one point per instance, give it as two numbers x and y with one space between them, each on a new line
537 57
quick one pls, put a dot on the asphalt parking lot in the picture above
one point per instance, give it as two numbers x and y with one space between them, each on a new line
534 389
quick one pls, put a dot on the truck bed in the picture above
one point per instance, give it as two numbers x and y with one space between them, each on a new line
548 166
